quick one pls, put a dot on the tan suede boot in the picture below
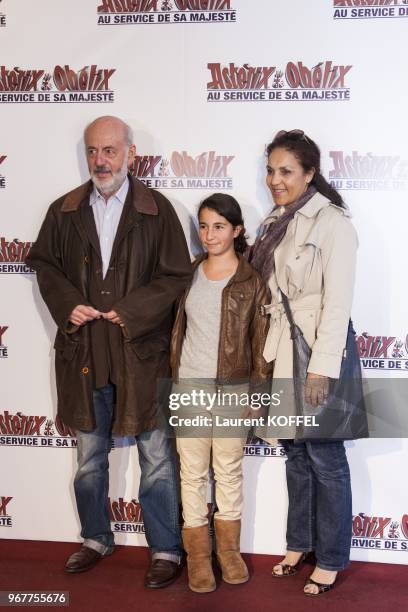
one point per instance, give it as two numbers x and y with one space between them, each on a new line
227 533
198 548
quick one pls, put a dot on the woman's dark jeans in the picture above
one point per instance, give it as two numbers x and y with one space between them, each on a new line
320 513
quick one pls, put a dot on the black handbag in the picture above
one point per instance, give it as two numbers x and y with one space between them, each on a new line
343 416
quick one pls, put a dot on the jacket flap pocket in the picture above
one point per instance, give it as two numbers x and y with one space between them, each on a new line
150 346
308 232
240 294
66 347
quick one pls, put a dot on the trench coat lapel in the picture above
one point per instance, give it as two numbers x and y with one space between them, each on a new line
302 230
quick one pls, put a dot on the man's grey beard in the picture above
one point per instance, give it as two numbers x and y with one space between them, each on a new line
112 185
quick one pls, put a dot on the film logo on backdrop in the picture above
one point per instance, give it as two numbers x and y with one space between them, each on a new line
180 170
3 22
34 431
125 12
2 178
12 256
383 352
295 82
3 346
370 9
381 533
6 519
371 172
126 517
61 85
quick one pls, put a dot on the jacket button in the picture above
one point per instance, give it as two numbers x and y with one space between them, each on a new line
105 292
85 370
298 257
86 259
241 295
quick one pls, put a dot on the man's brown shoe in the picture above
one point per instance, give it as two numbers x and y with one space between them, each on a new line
84 559
161 573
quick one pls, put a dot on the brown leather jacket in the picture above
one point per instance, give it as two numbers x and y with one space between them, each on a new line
243 329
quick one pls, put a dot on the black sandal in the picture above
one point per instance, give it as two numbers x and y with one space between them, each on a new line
322 588
289 570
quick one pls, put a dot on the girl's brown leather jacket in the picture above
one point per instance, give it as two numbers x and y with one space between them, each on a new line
243 330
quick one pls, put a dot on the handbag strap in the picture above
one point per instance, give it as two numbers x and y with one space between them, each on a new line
295 330
288 311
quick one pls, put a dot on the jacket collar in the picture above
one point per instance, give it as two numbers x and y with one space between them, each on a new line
142 198
310 210
243 273
316 203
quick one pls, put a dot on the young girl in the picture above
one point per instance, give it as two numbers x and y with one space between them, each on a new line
217 347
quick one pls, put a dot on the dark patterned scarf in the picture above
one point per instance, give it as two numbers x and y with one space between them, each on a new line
262 253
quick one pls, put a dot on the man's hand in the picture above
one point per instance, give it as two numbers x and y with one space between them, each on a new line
113 317
82 314
316 389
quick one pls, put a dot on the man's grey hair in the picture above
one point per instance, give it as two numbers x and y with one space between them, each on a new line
127 129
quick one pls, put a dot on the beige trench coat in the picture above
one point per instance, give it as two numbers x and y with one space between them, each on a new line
315 268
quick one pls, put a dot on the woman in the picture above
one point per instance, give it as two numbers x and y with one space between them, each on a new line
307 250
217 345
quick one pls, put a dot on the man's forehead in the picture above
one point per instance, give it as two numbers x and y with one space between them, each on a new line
113 131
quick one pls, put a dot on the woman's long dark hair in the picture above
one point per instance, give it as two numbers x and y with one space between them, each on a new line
307 153
227 206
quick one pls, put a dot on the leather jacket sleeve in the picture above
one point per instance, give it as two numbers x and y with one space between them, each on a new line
60 295
261 370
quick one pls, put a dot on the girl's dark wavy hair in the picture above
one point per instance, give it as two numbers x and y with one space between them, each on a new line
227 206
307 153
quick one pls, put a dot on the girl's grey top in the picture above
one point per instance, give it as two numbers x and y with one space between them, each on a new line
199 354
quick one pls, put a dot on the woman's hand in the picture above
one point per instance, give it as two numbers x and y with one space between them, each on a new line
252 413
316 389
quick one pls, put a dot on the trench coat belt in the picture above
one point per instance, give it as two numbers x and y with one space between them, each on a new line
278 320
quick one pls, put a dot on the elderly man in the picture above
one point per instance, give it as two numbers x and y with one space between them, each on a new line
111 260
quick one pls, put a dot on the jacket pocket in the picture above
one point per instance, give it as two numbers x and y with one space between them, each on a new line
307 320
150 347
65 347
241 303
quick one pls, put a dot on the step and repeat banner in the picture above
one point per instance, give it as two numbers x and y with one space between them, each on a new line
205 84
